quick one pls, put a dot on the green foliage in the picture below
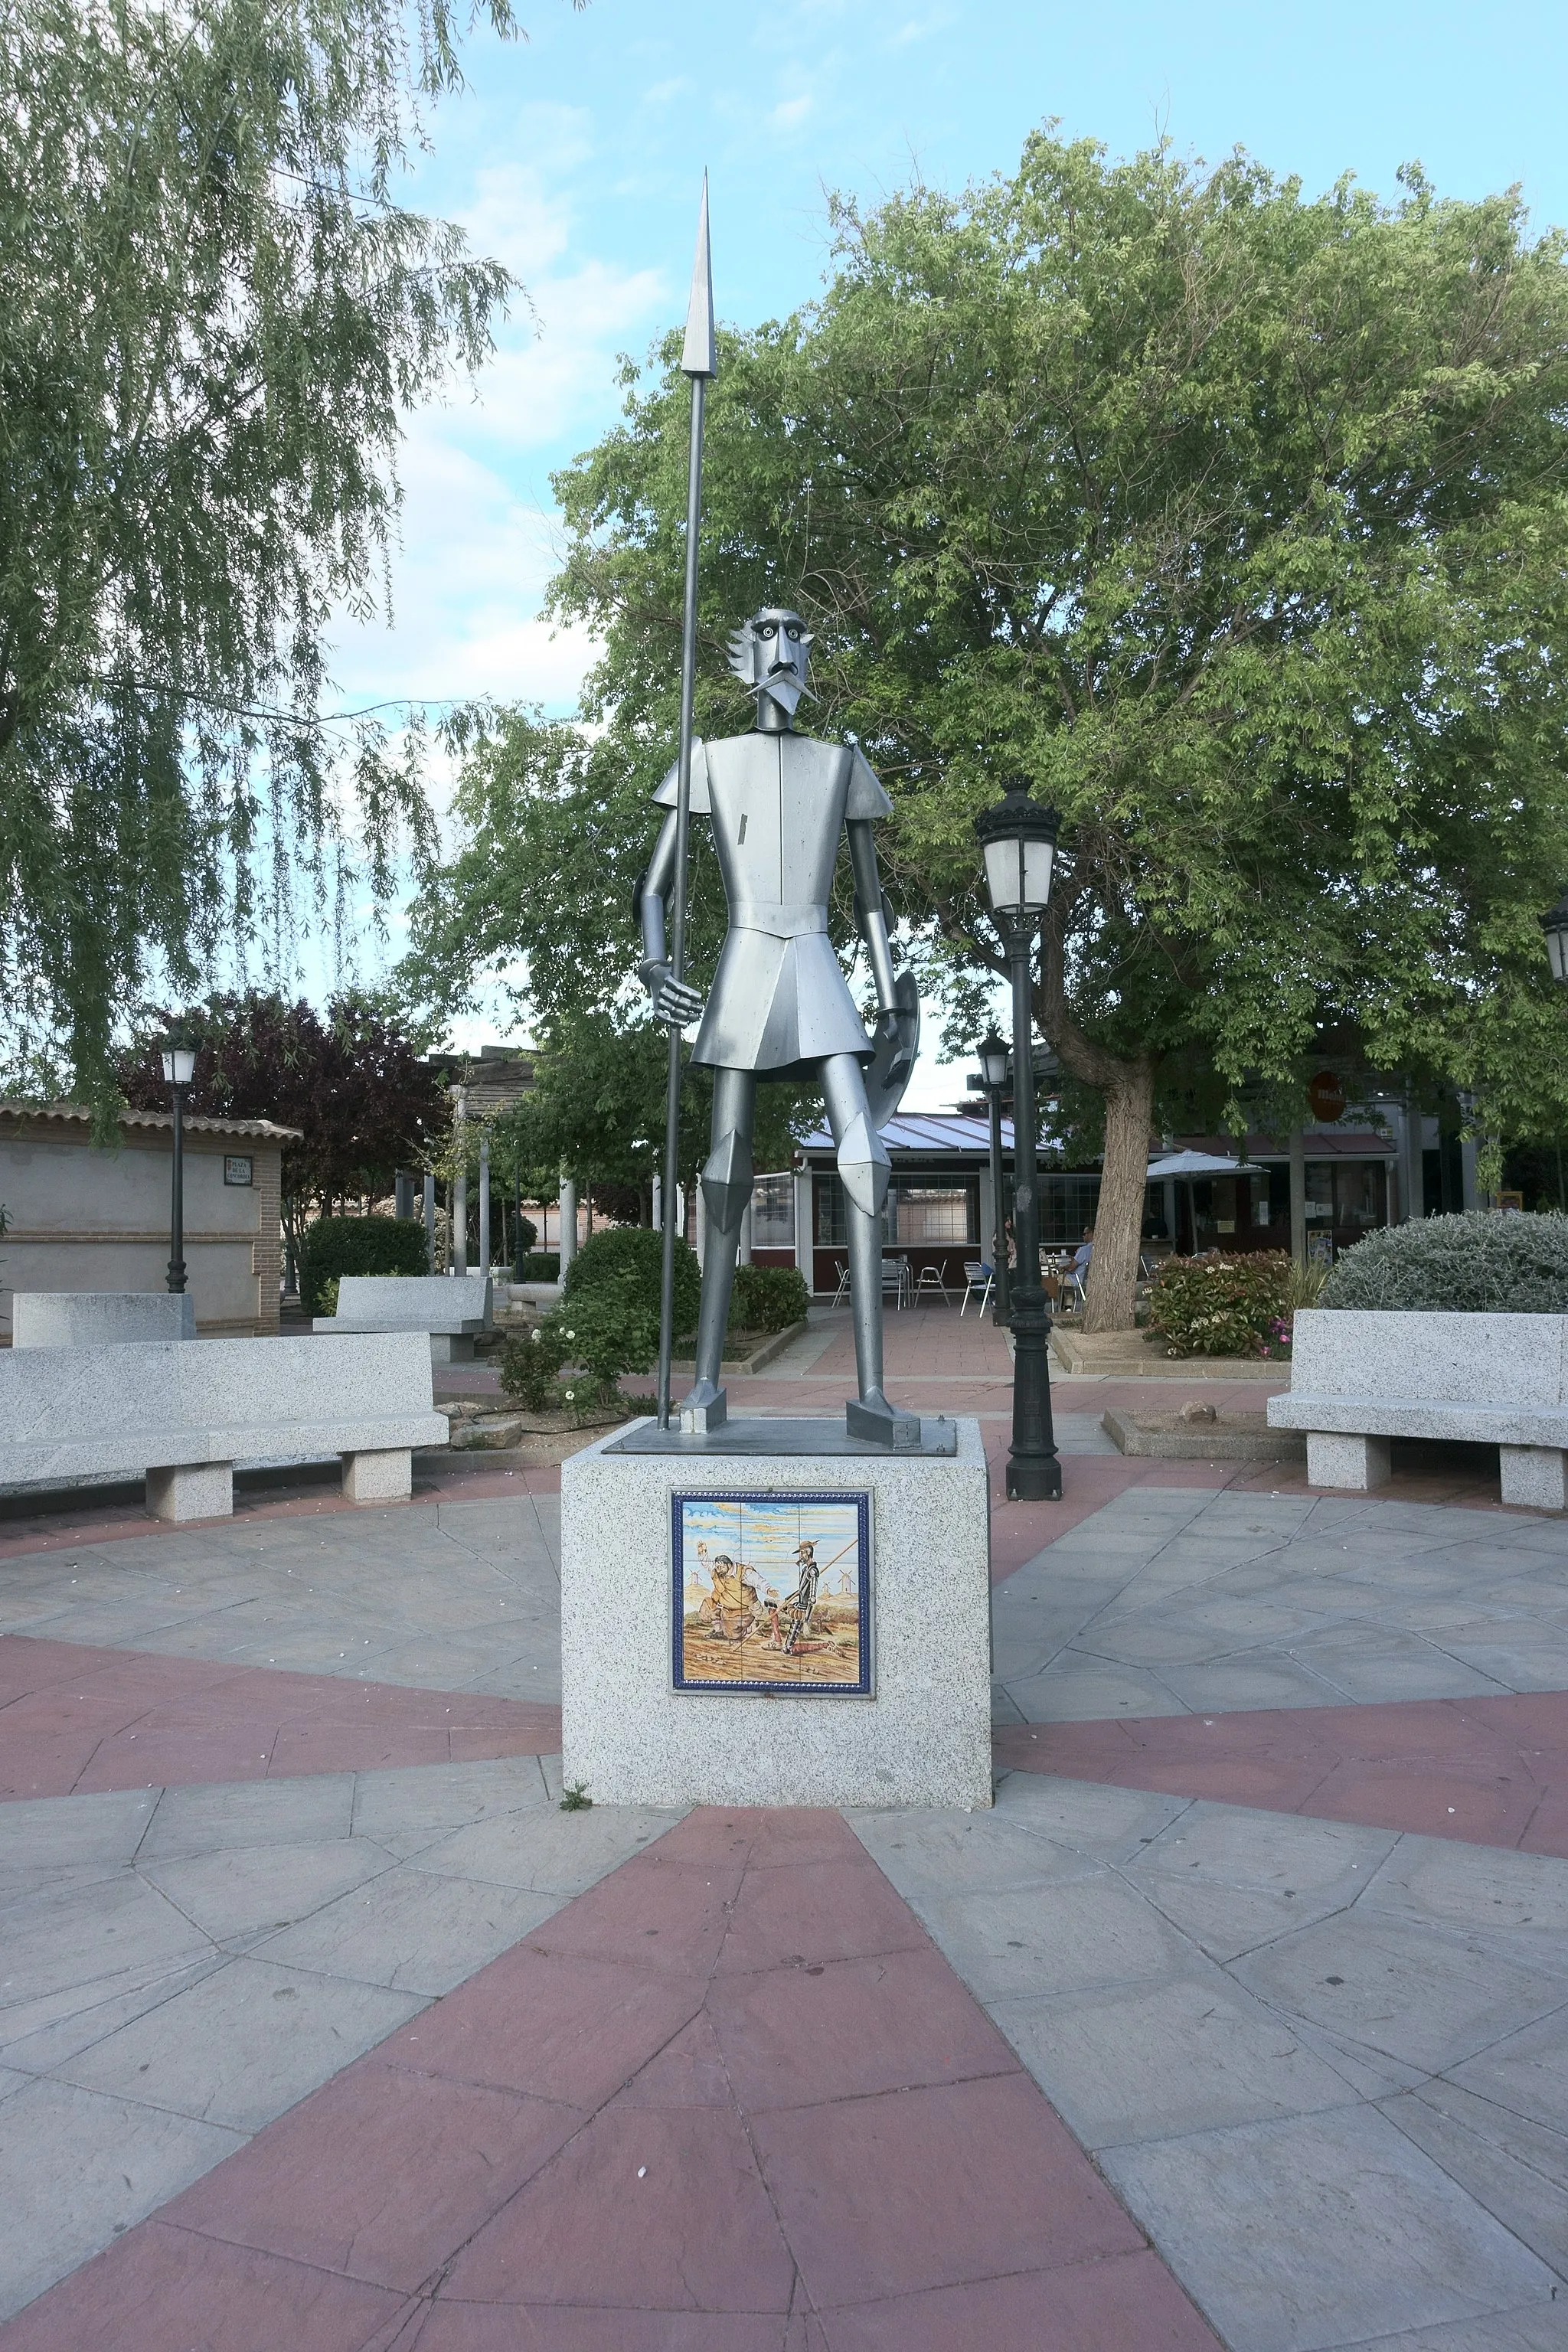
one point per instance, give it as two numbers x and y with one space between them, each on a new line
768 1298
542 1266
353 1080
527 1234
214 321
334 1247
1223 1306
1480 1262
634 1256
606 1328
1233 521
530 1363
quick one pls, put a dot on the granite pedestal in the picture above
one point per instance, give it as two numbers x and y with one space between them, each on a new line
923 1737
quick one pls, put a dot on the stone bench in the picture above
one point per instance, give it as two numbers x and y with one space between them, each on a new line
183 1412
453 1308
99 1319
1360 1380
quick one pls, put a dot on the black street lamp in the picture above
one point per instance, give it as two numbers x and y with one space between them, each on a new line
991 1055
1555 926
179 1069
1018 838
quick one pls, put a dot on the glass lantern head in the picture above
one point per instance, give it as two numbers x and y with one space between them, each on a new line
994 1059
179 1064
1019 839
1555 926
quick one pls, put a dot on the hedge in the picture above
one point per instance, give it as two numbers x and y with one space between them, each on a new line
541 1265
334 1247
633 1257
768 1298
1482 1263
1218 1305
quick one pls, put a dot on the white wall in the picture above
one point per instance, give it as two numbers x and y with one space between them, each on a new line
84 1219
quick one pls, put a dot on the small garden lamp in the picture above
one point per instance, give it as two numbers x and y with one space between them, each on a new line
1555 926
1018 842
179 1069
994 1060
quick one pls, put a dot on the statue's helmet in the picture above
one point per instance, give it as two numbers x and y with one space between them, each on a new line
769 653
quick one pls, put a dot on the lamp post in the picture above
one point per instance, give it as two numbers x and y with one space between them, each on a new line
1555 926
991 1055
179 1069
1019 840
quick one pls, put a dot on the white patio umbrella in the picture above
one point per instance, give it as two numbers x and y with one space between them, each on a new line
1175 1166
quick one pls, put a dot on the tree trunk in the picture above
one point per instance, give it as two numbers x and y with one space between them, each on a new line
1112 1285
1112 1292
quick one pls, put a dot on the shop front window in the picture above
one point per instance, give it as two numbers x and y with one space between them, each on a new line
773 1213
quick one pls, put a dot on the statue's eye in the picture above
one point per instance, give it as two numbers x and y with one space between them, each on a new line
794 635
767 630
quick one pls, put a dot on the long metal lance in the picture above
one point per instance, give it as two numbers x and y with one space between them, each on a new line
699 361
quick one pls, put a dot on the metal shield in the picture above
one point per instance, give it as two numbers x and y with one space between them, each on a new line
889 1069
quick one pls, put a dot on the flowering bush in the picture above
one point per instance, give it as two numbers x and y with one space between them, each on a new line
1218 1305
594 1338
1480 1262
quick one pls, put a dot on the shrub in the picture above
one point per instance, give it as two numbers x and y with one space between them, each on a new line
1223 1306
334 1247
541 1265
1480 1262
768 1297
527 1234
634 1255
529 1364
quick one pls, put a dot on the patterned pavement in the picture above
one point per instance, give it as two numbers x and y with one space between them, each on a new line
323 2026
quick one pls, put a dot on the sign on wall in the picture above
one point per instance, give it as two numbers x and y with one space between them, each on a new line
773 1593
237 1167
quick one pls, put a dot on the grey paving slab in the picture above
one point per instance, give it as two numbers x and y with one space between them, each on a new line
410 1932
1080 1934
547 1852
1107 1824
1428 1997
38 1832
946 1853
1521 1895
76 2167
1525 2074
406 1809
244 2043
236 1895
86 1932
1316 2231
44 2033
1075 1689
300 1809
1149 2060
1519 2171
1535 2328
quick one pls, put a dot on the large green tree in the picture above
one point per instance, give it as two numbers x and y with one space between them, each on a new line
1237 523
214 315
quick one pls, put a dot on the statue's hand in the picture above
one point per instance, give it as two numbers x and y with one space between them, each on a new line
673 1003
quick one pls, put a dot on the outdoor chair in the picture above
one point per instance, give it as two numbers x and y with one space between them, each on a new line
930 1277
976 1278
895 1278
842 1293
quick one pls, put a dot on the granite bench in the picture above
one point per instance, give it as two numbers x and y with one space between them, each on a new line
183 1412
99 1319
1358 1380
454 1308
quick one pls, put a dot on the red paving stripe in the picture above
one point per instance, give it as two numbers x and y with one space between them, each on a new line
1492 1772
732 2099
75 1720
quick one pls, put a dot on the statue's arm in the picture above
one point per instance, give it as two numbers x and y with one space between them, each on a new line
673 1001
869 910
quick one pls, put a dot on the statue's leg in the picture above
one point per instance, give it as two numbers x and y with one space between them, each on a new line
863 1170
726 1193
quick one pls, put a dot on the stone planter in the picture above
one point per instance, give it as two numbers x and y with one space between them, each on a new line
1359 1378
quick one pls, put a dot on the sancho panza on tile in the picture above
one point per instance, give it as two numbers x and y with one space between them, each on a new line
780 804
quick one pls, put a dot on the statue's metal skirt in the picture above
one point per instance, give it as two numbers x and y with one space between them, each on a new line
778 1005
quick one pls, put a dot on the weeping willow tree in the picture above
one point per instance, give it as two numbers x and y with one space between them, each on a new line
214 314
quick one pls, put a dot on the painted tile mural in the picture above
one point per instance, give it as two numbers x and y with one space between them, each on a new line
773 1593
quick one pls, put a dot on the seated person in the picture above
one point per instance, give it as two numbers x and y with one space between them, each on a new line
1083 1255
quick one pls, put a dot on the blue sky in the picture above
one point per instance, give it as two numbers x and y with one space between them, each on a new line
575 156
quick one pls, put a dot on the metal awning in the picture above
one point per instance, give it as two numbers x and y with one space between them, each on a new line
1199 1163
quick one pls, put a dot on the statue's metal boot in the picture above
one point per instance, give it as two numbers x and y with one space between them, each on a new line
726 1189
